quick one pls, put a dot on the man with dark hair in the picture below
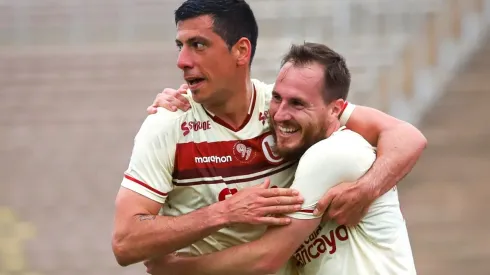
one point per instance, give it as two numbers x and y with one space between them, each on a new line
232 20
307 100
204 168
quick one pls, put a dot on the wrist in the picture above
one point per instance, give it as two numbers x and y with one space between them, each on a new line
368 189
220 214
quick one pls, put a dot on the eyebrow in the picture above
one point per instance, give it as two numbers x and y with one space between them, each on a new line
302 100
193 39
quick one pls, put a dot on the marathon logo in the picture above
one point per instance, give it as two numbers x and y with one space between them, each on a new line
213 159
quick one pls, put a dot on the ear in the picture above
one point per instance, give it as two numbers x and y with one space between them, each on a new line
336 107
242 51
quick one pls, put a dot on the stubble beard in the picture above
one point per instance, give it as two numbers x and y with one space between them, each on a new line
309 138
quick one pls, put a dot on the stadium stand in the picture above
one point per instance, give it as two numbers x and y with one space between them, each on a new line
76 77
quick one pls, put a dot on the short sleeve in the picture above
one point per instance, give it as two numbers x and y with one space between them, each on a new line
340 158
152 161
348 108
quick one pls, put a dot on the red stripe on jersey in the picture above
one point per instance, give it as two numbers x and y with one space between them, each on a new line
220 181
145 185
225 158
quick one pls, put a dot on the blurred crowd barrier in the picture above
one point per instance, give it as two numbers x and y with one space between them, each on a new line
403 49
76 77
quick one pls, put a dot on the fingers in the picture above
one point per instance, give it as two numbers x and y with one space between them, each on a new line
149 266
163 101
277 192
183 89
273 220
281 209
264 185
349 216
151 110
183 103
283 200
323 203
179 101
267 183
171 100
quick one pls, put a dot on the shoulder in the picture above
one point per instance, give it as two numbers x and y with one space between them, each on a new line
263 88
348 138
162 125
343 149
340 141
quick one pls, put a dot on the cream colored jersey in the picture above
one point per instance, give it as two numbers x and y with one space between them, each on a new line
189 160
379 244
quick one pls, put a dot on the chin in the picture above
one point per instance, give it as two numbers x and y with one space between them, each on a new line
290 151
289 143
198 97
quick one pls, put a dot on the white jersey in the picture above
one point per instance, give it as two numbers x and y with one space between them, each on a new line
189 160
379 244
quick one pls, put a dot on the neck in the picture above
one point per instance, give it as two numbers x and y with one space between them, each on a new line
332 127
234 109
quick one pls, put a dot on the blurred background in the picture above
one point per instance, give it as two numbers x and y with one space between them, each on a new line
76 77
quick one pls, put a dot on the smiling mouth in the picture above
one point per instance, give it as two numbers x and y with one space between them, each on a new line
287 130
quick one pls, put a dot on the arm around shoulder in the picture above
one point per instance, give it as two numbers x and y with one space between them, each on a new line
266 255
399 146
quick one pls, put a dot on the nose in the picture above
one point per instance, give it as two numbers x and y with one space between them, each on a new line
184 61
281 113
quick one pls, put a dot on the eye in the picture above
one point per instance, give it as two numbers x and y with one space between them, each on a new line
198 45
298 104
179 47
276 97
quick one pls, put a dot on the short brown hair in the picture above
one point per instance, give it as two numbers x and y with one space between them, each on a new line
336 74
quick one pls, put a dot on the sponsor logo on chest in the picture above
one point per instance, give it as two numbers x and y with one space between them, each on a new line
319 243
240 152
188 126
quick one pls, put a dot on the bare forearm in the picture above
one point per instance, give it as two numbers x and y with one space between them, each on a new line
399 149
152 236
226 262
264 256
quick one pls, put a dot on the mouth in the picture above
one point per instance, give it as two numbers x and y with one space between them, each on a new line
194 82
287 131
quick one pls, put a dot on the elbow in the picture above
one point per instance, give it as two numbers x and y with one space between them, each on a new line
422 142
419 139
121 250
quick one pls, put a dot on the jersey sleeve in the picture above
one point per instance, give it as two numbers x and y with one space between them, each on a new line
343 157
348 108
152 161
